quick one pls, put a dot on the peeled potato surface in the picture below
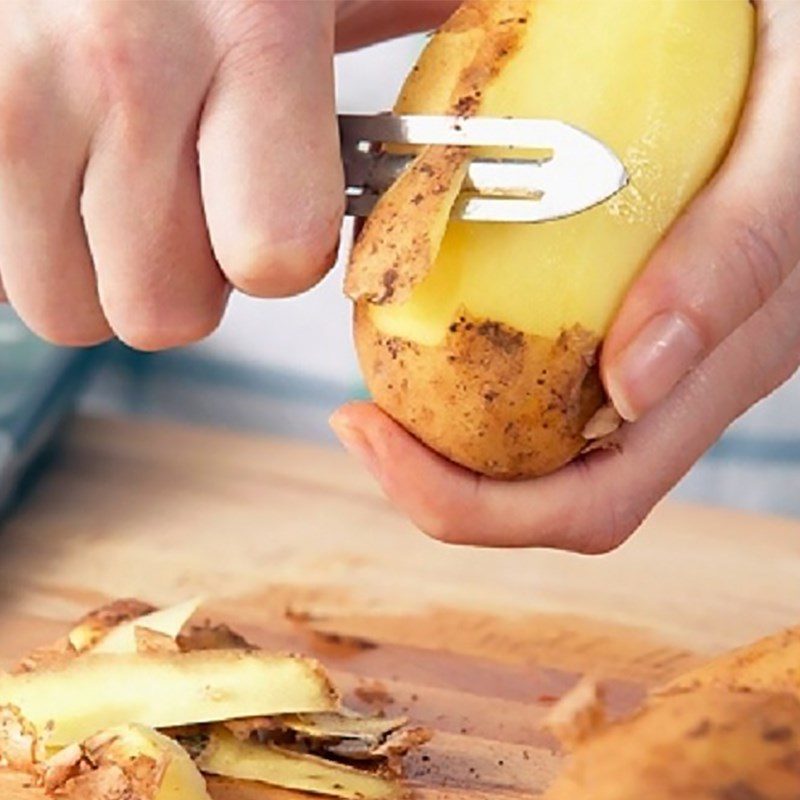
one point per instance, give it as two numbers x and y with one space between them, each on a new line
487 350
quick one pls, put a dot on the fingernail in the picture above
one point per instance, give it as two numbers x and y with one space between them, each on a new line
356 444
650 366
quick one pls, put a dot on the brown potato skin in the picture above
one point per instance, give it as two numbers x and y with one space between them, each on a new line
498 401
703 745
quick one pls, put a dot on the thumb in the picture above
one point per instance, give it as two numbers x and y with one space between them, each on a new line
732 248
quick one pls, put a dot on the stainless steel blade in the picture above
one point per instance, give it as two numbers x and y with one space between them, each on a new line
377 172
581 172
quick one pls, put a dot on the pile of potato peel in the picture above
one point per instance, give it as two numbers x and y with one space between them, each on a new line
137 703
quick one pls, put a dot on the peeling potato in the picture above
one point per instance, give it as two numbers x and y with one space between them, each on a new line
482 339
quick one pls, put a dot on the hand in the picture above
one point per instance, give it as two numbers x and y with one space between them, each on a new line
152 155
711 327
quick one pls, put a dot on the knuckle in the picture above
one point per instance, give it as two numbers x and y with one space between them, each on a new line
63 332
757 246
442 527
150 334
259 34
280 269
604 521
123 64
443 520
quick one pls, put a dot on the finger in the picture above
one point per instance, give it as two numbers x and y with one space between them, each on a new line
595 503
158 282
46 267
269 155
732 248
363 22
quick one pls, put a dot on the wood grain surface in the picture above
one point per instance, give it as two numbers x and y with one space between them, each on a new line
293 545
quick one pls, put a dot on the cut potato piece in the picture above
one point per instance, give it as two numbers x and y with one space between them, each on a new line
327 725
212 637
129 762
98 691
579 714
707 745
167 621
491 357
221 753
22 747
343 735
85 635
98 624
771 663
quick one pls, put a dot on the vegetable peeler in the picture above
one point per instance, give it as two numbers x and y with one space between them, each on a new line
569 172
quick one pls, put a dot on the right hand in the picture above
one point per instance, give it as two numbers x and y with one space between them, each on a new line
152 155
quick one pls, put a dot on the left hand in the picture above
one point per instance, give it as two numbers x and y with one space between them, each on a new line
710 328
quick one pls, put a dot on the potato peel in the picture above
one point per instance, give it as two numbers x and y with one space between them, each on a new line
99 623
97 691
169 622
395 250
21 746
126 763
212 637
579 714
86 633
203 686
400 240
221 753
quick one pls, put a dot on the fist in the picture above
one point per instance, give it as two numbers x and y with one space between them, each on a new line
154 155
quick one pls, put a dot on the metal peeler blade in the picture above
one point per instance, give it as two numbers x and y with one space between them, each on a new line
575 171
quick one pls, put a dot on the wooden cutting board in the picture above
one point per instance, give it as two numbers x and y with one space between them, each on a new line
293 545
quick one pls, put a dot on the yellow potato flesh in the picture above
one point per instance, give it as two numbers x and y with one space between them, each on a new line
229 757
95 692
181 779
661 82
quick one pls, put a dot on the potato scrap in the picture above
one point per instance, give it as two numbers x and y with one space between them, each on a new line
212 637
219 752
86 634
169 622
152 642
99 623
344 734
132 669
98 691
125 763
579 715
21 746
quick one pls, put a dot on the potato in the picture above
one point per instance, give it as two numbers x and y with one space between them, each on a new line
771 663
710 744
482 339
